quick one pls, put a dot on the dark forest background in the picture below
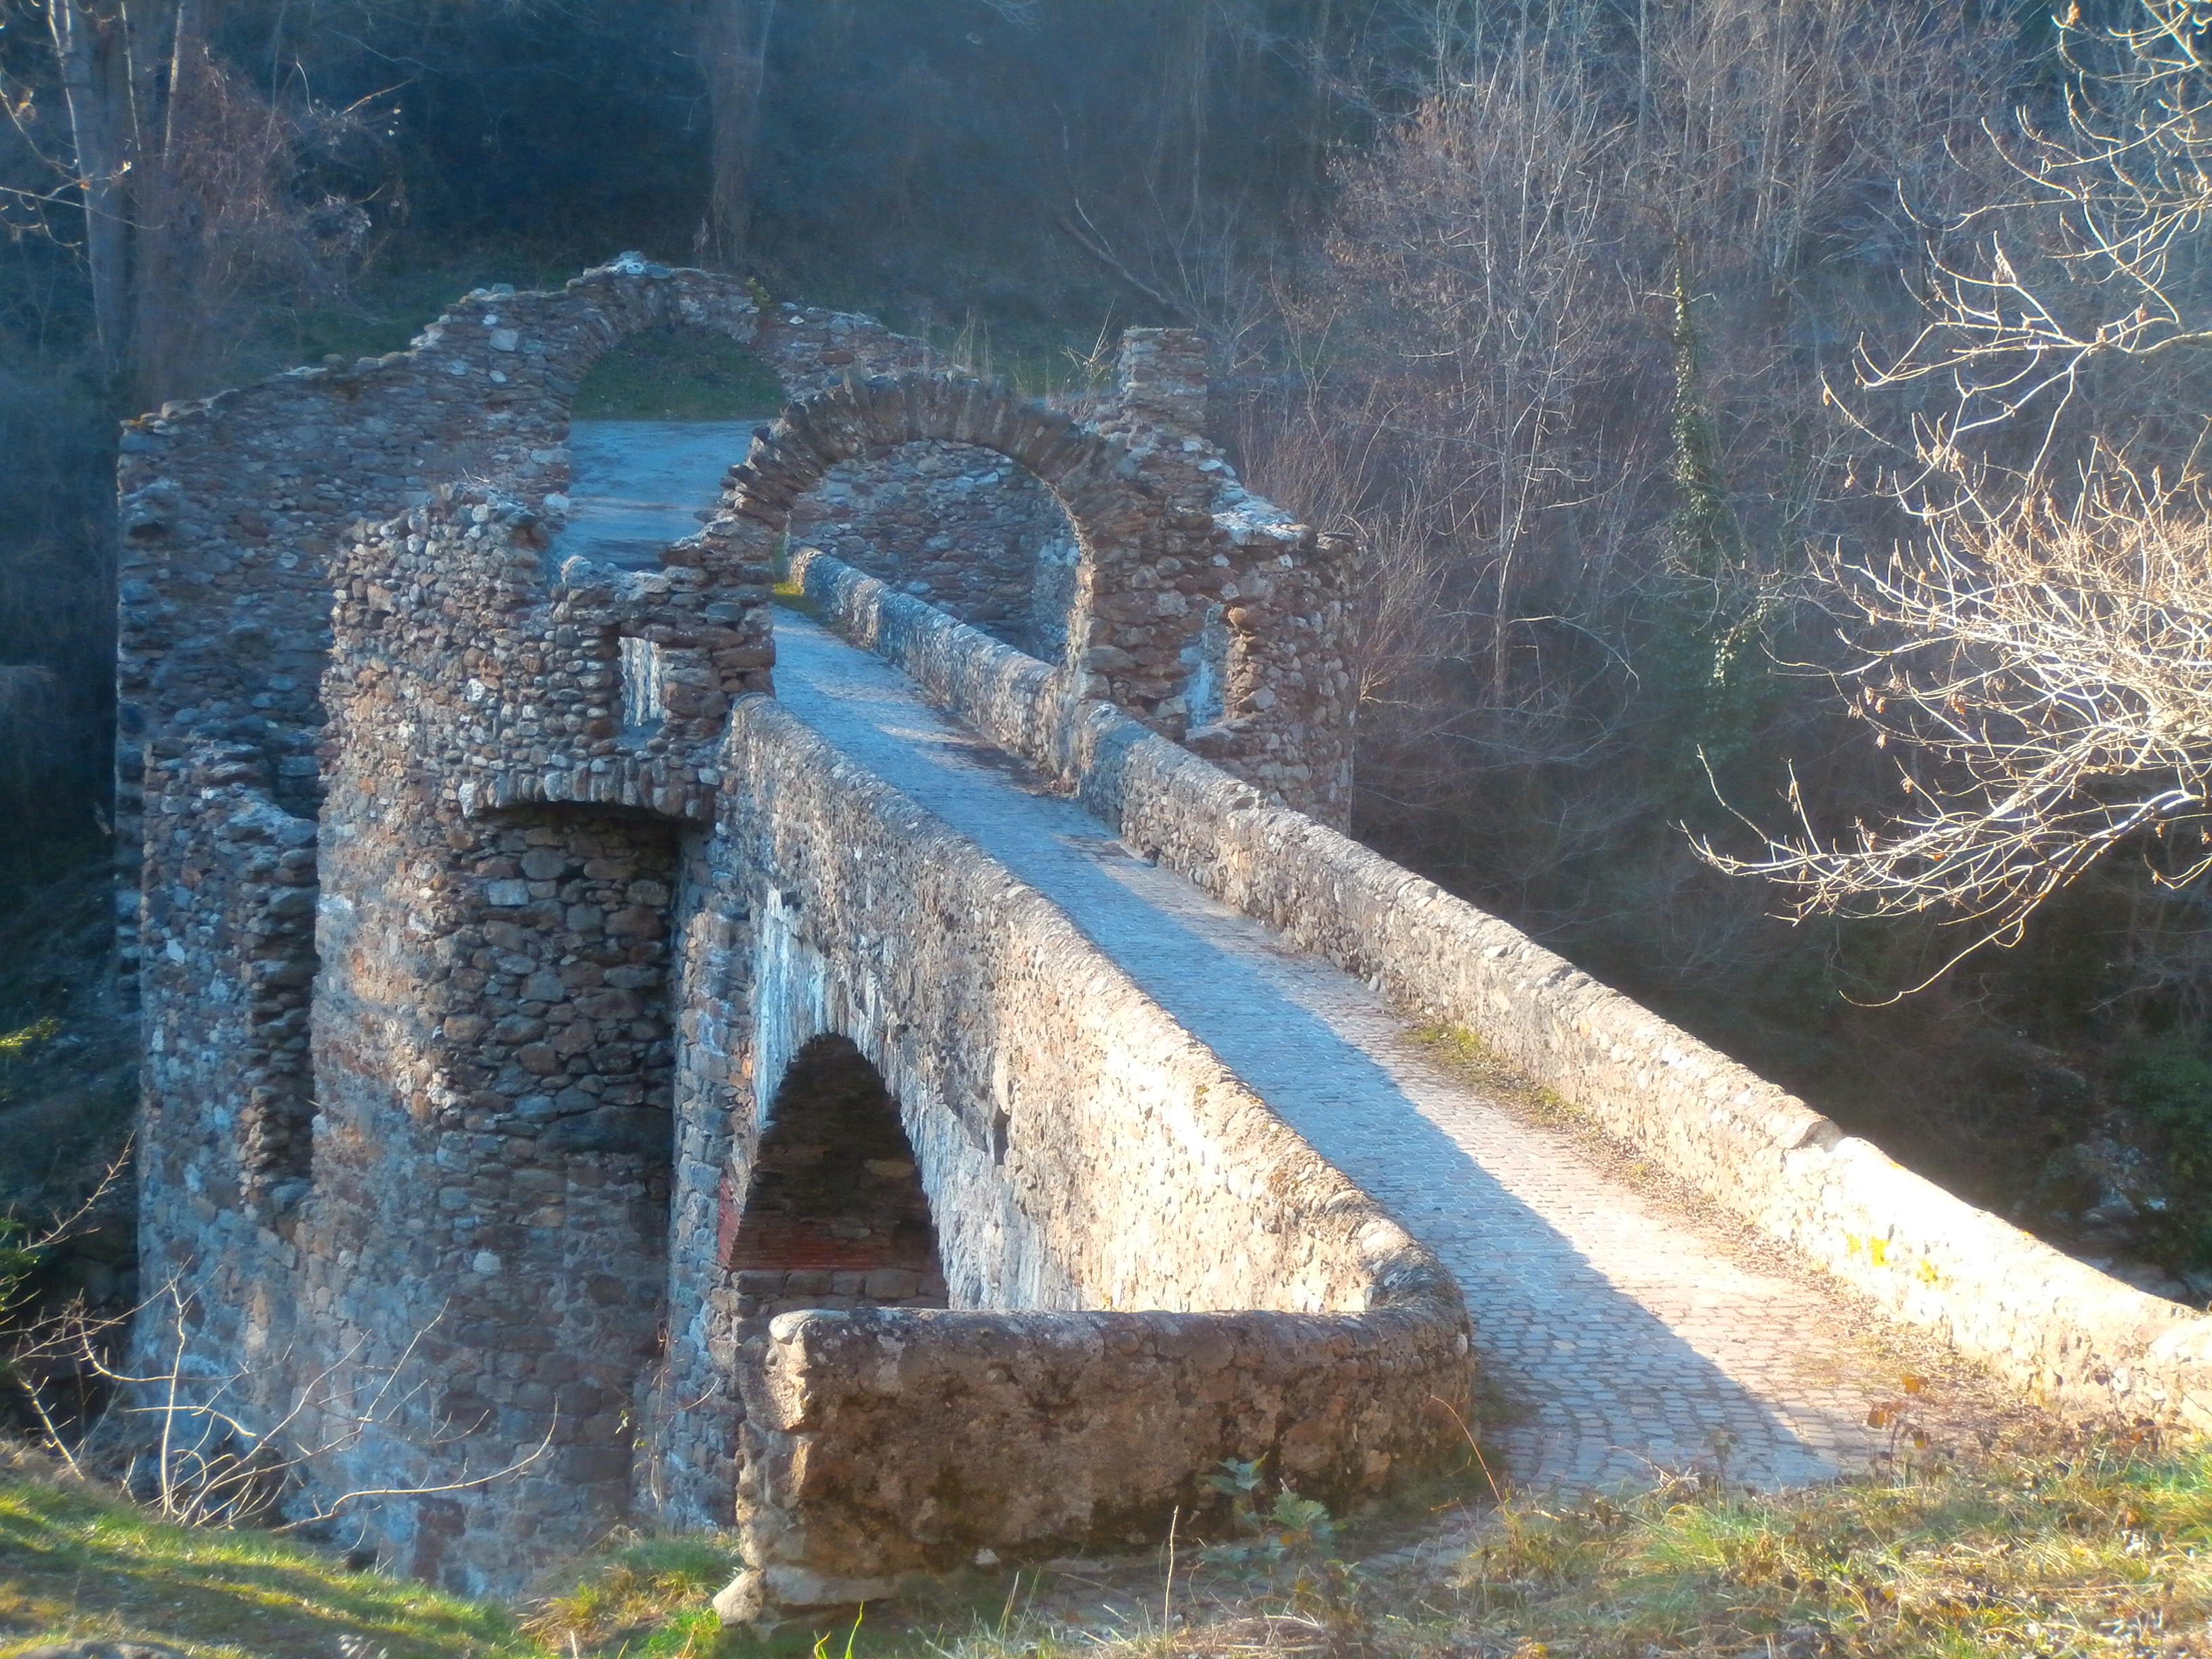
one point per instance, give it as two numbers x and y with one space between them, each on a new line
1550 303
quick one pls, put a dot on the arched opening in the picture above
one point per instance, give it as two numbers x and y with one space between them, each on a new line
655 423
834 1216
968 529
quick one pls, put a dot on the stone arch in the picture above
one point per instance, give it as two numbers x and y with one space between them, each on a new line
835 1215
962 527
1115 512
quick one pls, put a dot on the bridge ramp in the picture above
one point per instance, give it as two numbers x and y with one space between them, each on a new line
1630 1338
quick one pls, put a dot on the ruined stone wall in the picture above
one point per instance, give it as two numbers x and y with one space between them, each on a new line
224 1140
232 506
1201 610
2065 1331
494 1030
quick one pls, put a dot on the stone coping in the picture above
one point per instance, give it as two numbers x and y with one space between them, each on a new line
2066 1334
1025 1429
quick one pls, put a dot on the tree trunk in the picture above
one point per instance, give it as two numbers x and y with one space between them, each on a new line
733 41
169 52
91 44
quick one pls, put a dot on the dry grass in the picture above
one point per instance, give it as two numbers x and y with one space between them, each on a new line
646 1598
2071 1544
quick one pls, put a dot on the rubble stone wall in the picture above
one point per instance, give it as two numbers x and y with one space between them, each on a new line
962 527
1081 1154
1204 612
471 962
2066 1332
224 1141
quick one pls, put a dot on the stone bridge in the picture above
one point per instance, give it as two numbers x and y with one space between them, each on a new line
913 1069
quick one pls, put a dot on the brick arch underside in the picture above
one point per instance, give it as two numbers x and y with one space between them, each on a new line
1109 508
834 1213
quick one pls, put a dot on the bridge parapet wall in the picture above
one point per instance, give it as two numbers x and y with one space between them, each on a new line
1148 1271
2061 1330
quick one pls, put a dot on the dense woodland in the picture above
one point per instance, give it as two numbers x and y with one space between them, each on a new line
1772 426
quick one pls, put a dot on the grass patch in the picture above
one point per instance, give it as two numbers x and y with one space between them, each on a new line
647 1598
1466 1057
74 1564
2061 1545
2097 1547
385 307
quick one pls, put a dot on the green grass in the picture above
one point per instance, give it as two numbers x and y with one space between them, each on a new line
75 1564
664 375
668 375
385 307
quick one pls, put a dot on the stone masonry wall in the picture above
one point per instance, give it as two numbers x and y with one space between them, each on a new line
223 1142
1201 610
454 956
2065 1331
1081 1154
960 526
232 506
494 1040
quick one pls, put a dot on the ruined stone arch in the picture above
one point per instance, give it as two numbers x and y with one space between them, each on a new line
1115 513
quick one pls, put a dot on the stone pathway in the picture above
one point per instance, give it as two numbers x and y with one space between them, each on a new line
1633 1341
636 484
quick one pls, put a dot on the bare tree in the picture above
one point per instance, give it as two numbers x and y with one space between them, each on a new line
2046 676
734 38
1567 320
186 179
2039 655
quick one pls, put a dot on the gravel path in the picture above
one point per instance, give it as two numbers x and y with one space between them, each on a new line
1630 1338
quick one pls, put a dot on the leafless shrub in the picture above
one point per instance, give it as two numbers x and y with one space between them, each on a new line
1490 351
2036 652
201 1444
2045 673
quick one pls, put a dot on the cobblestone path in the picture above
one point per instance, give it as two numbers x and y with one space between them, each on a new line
1630 1340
